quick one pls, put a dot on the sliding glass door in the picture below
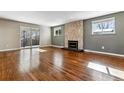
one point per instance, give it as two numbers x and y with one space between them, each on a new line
35 37
30 37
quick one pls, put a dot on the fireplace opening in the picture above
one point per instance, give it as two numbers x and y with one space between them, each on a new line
73 45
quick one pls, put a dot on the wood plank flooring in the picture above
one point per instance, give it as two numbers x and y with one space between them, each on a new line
54 64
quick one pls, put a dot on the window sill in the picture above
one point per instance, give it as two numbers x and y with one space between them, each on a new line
103 33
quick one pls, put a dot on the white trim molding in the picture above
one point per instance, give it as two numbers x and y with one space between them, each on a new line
52 46
45 46
5 50
57 46
13 49
105 53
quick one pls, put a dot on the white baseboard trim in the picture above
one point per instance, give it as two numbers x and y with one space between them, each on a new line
46 46
57 46
106 53
4 50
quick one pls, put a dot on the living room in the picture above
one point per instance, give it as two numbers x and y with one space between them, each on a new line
94 44
59 46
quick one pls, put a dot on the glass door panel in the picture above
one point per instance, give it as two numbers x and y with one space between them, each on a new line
25 39
35 37
29 37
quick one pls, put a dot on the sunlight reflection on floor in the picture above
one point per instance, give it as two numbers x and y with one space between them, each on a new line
42 50
106 69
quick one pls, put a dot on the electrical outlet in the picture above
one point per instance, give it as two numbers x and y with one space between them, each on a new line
103 47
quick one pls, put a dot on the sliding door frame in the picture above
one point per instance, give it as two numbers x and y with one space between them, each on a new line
30 29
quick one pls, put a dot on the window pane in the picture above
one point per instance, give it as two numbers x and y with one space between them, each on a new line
97 27
57 31
108 26
60 32
105 26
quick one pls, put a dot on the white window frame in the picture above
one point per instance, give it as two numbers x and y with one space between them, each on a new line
57 29
103 31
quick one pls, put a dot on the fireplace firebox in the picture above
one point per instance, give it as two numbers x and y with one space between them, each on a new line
73 45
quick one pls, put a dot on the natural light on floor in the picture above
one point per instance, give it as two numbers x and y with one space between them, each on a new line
42 50
107 70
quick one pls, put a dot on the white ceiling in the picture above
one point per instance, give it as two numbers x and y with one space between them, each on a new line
50 18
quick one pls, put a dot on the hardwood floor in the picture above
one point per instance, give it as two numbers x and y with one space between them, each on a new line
59 64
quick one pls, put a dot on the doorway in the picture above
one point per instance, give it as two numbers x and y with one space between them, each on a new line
30 37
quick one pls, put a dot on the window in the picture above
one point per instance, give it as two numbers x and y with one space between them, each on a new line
105 26
57 31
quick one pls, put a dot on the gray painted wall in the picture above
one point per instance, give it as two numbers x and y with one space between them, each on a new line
57 40
10 33
45 36
112 43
